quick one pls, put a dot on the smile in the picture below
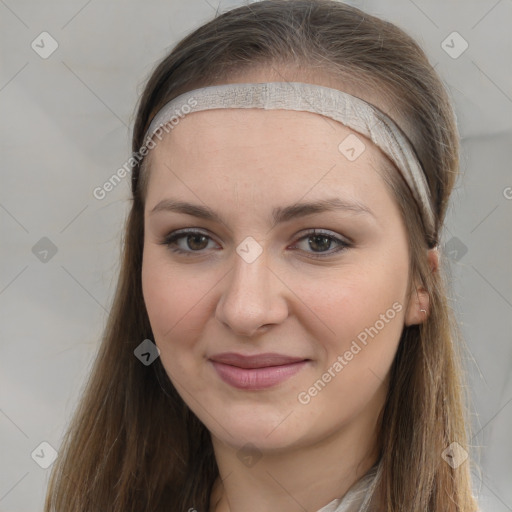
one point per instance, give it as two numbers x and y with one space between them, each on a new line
246 373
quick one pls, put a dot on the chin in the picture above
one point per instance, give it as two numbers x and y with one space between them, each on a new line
250 425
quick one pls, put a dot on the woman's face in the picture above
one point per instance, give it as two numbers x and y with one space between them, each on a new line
256 280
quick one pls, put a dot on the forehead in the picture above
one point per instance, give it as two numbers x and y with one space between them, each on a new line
246 164
264 149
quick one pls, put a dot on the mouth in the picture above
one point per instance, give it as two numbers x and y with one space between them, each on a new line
255 372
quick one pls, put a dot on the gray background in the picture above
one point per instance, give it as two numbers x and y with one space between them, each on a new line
65 130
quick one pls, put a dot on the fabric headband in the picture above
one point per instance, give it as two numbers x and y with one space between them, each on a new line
349 110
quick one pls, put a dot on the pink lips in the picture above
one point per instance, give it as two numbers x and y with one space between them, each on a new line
257 371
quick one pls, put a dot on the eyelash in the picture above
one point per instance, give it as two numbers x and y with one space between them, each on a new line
171 239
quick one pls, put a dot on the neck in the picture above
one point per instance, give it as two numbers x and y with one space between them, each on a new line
297 478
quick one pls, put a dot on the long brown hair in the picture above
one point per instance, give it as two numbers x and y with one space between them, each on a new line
133 444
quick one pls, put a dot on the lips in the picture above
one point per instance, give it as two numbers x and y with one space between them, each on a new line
256 372
255 361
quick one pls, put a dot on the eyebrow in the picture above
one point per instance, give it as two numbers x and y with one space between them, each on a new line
279 214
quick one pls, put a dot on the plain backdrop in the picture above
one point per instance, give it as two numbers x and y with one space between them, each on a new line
65 129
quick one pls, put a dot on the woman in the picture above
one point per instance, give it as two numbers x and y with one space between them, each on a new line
280 338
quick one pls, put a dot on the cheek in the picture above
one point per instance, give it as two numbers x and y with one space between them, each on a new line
364 312
354 298
171 295
177 304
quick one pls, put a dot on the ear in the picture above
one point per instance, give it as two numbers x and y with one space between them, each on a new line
418 308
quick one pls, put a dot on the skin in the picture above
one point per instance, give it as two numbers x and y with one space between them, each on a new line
242 164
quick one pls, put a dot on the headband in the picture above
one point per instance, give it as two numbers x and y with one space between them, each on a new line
349 110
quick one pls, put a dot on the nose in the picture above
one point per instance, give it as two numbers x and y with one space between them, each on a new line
253 298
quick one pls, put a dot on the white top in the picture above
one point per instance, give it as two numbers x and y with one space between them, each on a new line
358 498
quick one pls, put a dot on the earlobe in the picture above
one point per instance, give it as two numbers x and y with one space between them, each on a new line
418 309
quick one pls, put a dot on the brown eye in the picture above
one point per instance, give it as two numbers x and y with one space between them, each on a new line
196 242
187 242
320 244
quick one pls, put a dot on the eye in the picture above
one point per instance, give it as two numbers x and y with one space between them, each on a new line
189 242
320 241
192 241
